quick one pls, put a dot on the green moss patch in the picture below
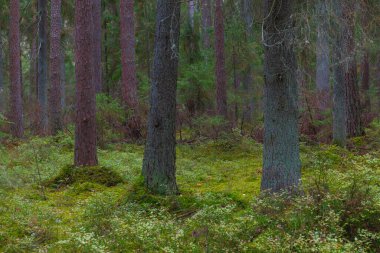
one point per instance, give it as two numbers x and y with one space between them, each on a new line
70 175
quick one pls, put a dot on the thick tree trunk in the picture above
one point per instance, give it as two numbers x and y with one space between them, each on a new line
15 114
282 166
354 110
323 55
206 22
55 110
97 36
220 71
339 92
159 158
128 54
42 65
85 127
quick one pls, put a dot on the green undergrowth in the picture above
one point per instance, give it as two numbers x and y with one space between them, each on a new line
107 209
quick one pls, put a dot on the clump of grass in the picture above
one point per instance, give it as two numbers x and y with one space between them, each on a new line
70 175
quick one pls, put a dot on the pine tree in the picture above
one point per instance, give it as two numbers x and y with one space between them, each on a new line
282 167
159 167
85 121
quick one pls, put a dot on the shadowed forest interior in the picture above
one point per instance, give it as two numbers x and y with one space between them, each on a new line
189 126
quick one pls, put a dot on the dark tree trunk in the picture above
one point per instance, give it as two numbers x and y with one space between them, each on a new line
339 92
365 82
15 114
191 12
323 55
55 110
2 102
365 61
85 127
282 166
97 25
128 55
63 79
220 71
206 22
159 159
378 83
42 65
354 110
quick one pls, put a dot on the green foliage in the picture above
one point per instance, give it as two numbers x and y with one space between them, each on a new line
219 208
110 119
70 175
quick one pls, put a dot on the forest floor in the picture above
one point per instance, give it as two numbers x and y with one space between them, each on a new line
219 208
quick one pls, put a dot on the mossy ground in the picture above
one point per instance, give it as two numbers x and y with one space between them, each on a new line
218 210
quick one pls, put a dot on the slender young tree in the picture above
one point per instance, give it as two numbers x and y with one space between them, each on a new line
206 22
85 121
159 167
339 92
323 54
365 68
191 9
282 166
55 109
220 71
128 55
97 36
15 114
42 75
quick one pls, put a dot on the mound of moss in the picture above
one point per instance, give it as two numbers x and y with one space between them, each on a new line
70 175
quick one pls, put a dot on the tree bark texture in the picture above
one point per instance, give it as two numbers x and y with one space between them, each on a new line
220 71
55 109
97 36
282 166
339 91
128 53
206 22
2 102
323 55
159 159
42 65
85 121
354 109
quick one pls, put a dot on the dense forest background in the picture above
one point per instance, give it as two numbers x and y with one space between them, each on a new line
189 126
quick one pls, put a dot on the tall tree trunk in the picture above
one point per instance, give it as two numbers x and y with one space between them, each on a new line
206 22
97 19
42 65
55 109
282 166
63 78
339 92
365 61
323 55
354 110
128 54
15 114
220 71
191 8
2 102
85 122
159 158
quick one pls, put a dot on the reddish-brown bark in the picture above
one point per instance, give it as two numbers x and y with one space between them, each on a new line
97 36
220 72
15 114
85 121
55 119
127 41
